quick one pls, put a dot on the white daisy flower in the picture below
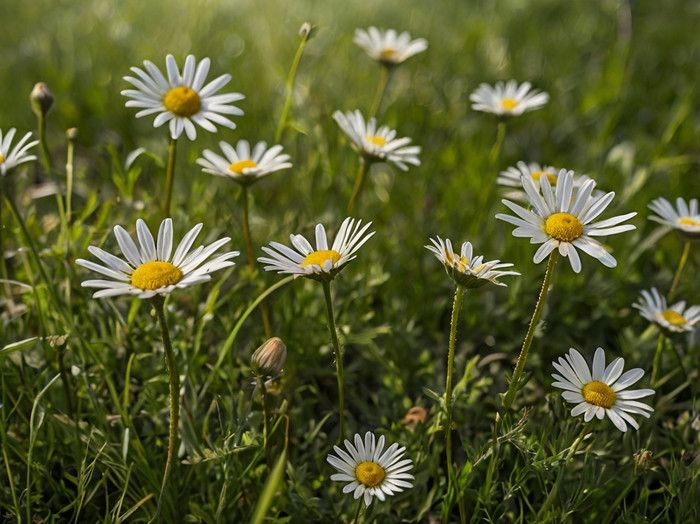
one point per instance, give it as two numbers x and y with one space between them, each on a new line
512 176
465 269
370 470
684 217
676 318
152 268
10 158
507 98
182 98
242 164
389 47
377 144
602 390
321 263
563 219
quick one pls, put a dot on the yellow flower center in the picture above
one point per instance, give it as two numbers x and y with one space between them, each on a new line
509 103
369 473
238 167
155 275
599 394
673 318
376 140
563 227
387 53
685 221
536 175
2 158
182 101
318 258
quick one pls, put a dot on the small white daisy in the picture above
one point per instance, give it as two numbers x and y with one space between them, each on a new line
321 263
370 470
389 47
10 158
684 218
182 99
242 164
676 318
602 390
563 219
465 269
507 99
151 268
377 144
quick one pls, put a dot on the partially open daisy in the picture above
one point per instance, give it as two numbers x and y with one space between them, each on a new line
377 143
13 156
602 390
369 469
507 98
465 269
684 218
182 98
676 318
243 164
151 268
322 263
562 219
389 47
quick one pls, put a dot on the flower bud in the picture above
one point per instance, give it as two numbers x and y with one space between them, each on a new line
307 30
269 358
72 133
41 99
643 459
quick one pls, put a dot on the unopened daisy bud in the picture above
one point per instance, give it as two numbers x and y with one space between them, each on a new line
72 133
269 358
643 459
41 99
307 30
415 415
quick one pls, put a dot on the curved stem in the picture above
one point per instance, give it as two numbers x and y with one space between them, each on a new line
169 176
656 365
679 270
384 76
536 314
289 86
338 358
43 144
173 391
498 144
359 182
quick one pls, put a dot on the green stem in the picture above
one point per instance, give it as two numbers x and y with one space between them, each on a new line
169 176
43 144
289 85
6 458
384 77
3 266
656 366
338 358
70 154
174 394
359 182
498 144
266 419
536 314
679 270
356 518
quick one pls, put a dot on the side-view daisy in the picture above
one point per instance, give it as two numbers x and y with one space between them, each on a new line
601 390
243 164
507 98
676 318
369 469
465 269
377 143
17 155
389 47
151 268
182 98
684 218
563 219
321 263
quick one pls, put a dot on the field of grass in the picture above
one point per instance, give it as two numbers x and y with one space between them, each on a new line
84 386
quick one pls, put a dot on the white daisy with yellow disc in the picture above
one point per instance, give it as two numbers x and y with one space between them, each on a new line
512 177
152 268
243 163
182 99
13 156
507 98
389 47
322 262
676 318
684 218
562 218
601 391
369 469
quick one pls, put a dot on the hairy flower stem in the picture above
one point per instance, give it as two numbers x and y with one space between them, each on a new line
289 85
679 271
384 77
266 418
359 182
338 358
536 314
169 176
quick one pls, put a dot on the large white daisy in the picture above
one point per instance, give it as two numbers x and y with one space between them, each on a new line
465 269
369 469
676 318
562 219
377 144
182 98
14 156
684 217
389 47
243 164
152 268
321 263
507 98
601 390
